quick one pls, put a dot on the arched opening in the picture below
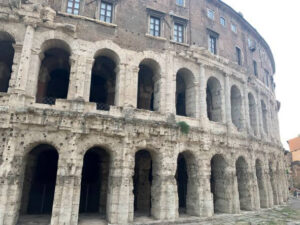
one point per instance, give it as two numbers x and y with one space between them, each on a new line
243 183
219 184
94 182
182 183
260 182
103 83
264 116
148 85
39 181
214 100
185 93
53 81
252 113
6 60
273 183
142 181
236 107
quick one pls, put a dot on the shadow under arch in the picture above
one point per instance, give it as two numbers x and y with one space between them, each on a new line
94 182
39 180
149 85
214 99
104 78
6 59
54 74
185 93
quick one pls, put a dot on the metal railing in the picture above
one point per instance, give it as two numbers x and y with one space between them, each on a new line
48 100
102 106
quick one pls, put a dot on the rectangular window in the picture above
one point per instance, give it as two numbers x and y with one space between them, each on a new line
73 7
180 2
106 12
234 28
212 44
255 68
178 32
267 77
222 21
154 26
238 56
210 14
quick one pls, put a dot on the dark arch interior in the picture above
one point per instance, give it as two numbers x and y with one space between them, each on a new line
94 181
219 184
180 95
264 116
103 82
146 88
213 100
182 182
142 181
39 181
6 61
54 76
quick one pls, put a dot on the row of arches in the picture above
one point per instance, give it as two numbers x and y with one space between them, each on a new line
54 79
42 163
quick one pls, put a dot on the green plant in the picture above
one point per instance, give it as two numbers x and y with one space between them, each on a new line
184 127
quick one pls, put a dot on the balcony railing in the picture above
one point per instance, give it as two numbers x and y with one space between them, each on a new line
102 106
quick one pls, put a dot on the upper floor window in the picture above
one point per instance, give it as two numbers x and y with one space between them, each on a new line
222 21
255 68
73 7
106 12
178 32
180 2
155 26
234 28
211 14
238 55
212 44
267 77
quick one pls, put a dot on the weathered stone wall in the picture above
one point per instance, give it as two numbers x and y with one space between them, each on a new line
73 125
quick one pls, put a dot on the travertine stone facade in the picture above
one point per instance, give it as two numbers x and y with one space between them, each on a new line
90 115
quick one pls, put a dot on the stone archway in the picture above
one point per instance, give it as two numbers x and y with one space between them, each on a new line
142 181
149 85
39 181
103 80
53 81
214 100
94 182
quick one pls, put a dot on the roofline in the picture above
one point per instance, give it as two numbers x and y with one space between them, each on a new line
253 30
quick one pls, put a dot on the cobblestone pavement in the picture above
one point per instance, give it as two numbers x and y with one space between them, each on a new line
282 215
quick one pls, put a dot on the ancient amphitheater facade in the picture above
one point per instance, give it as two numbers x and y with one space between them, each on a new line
123 108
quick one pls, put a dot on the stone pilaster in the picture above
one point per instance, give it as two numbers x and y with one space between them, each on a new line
67 191
227 101
120 87
23 70
246 111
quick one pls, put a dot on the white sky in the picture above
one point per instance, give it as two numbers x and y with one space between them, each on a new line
278 22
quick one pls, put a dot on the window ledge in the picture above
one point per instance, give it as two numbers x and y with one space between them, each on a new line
156 37
87 18
178 43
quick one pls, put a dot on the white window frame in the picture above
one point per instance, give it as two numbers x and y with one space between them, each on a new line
183 3
233 28
210 14
222 18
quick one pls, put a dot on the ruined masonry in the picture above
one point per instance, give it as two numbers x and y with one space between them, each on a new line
118 110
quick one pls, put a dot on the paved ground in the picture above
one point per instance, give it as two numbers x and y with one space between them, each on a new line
282 215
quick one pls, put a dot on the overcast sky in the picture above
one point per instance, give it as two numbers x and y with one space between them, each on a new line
279 23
